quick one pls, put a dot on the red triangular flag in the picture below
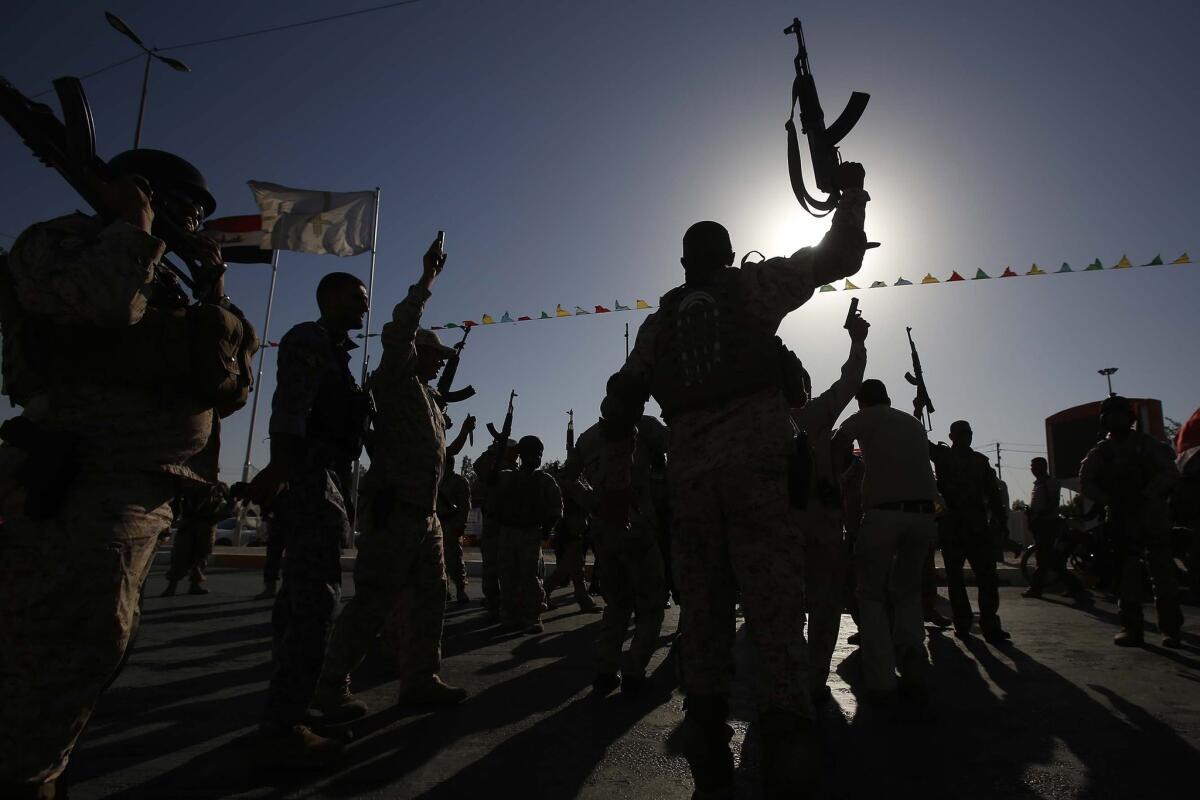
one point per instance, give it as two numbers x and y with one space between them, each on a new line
602 310
954 276
524 319
1008 273
470 323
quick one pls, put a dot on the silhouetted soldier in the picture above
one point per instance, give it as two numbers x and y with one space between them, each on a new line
1045 524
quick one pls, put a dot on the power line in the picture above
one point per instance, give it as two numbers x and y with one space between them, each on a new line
94 73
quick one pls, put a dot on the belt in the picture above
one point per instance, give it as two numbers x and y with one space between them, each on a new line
909 506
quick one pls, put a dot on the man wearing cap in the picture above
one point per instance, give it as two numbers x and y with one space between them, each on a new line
973 527
400 567
1130 474
709 356
527 504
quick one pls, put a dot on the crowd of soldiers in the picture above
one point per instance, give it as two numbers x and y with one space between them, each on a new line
752 499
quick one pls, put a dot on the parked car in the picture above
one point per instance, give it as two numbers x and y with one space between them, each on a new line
254 532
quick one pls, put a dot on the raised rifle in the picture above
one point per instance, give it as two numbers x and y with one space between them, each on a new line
822 141
922 405
450 371
570 431
501 438
70 148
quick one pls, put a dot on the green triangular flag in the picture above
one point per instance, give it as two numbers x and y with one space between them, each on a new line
1065 268
827 288
1155 262
1095 265
545 316
980 275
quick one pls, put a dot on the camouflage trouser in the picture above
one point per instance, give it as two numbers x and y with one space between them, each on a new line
634 585
966 538
732 535
825 573
399 590
311 514
1151 525
452 553
489 554
69 594
568 569
889 550
520 589
190 549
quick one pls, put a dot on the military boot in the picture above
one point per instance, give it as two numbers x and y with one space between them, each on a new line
432 692
1129 637
296 747
336 703
703 739
170 590
791 759
460 594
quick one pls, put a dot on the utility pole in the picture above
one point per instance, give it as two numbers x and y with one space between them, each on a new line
998 473
1107 372
151 53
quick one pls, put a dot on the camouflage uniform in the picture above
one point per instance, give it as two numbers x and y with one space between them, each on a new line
969 489
569 559
199 511
527 504
1132 476
634 583
313 393
489 535
825 554
728 475
70 586
454 504
399 572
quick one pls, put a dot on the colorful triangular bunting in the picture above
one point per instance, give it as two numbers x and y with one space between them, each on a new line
929 279
524 319
451 325
487 320
1183 259
1154 262
602 310
1008 273
980 275
545 316
1065 268
827 288
1036 270
618 307
1092 267
642 305
561 312
878 285
954 276
579 311
902 282
470 323
506 318
1124 263
849 287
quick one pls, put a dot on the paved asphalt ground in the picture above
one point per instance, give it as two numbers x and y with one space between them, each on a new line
1060 713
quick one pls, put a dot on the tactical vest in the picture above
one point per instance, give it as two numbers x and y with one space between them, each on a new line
707 352
200 351
337 425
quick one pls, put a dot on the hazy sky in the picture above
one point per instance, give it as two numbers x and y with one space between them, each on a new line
565 146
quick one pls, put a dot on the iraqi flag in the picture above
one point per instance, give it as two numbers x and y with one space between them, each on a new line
242 239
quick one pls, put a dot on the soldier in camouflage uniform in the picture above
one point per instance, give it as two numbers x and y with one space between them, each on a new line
972 528
634 584
1130 474
527 504
569 560
399 572
78 294
199 510
709 357
318 418
486 470
454 504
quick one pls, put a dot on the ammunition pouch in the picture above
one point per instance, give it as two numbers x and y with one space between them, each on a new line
51 465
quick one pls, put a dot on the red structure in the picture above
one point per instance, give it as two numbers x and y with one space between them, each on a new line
1070 434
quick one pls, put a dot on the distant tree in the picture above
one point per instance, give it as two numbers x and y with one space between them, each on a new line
1020 505
1171 429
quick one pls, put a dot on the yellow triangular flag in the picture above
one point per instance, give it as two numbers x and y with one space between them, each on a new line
929 278
642 305
561 312
487 320
849 287
1183 259
1036 270
1124 263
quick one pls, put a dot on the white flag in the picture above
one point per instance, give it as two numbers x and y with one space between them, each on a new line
339 223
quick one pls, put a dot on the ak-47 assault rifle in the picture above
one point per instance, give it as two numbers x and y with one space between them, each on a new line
70 148
570 431
501 438
822 141
922 405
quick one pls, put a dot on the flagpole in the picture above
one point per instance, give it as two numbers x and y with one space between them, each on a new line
366 353
262 356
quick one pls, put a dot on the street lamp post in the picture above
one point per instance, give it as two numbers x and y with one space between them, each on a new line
1107 372
151 53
